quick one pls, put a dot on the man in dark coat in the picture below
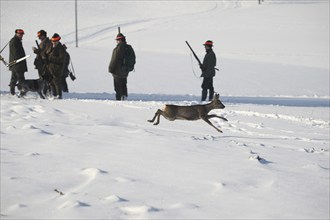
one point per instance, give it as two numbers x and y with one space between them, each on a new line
208 71
39 62
16 51
117 68
55 59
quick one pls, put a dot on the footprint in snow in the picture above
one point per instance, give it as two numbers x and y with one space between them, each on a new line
73 204
138 211
35 129
184 206
92 173
124 180
114 198
313 150
17 206
260 159
32 154
218 187
204 138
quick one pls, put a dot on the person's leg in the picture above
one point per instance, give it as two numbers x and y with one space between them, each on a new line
124 88
211 89
13 81
204 89
116 83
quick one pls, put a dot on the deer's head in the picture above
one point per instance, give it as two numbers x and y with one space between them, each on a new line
217 104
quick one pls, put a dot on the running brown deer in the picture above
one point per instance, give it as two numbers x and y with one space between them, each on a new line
190 113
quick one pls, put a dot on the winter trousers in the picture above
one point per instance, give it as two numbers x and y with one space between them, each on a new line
120 85
56 85
207 85
15 78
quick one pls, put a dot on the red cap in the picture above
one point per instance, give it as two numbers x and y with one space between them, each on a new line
56 37
120 36
208 43
19 31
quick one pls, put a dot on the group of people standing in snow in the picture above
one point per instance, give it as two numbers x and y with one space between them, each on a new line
52 61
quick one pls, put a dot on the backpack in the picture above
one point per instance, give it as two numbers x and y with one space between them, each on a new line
66 64
129 58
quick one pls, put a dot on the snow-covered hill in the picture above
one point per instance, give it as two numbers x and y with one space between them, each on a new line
279 48
90 157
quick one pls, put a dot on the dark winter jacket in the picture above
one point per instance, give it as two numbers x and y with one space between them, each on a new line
209 64
16 51
44 46
55 56
116 66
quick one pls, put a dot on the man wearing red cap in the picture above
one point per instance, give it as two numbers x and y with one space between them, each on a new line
55 58
208 71
116 68
16 51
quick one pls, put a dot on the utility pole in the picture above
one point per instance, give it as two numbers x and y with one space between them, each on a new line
76 19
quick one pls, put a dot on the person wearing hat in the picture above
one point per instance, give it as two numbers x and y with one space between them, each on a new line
116 68
39 62
208 71
55 64
16 51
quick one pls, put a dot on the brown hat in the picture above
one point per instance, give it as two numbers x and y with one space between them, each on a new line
42 33
56 37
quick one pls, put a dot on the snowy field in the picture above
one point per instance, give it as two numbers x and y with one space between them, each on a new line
90 157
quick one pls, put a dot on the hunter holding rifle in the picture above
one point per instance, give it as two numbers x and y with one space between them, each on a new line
208 71
40 60
16 51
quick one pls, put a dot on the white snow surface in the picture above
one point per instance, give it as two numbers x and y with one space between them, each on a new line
90 157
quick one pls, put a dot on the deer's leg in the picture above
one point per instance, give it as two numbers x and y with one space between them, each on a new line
153 119
159 112
157 115
208 121
216 116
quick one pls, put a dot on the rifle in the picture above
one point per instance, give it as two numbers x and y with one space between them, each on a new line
12 63
3 60
38 56
199 62
37 45
4 47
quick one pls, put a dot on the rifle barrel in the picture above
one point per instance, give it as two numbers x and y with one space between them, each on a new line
199 62
4 47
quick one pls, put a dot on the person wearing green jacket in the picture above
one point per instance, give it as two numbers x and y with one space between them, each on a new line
55 64
208 71
119 73
16 51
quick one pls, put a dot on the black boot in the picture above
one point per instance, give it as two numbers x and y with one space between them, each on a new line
204 95
12 90
59 93
211 95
